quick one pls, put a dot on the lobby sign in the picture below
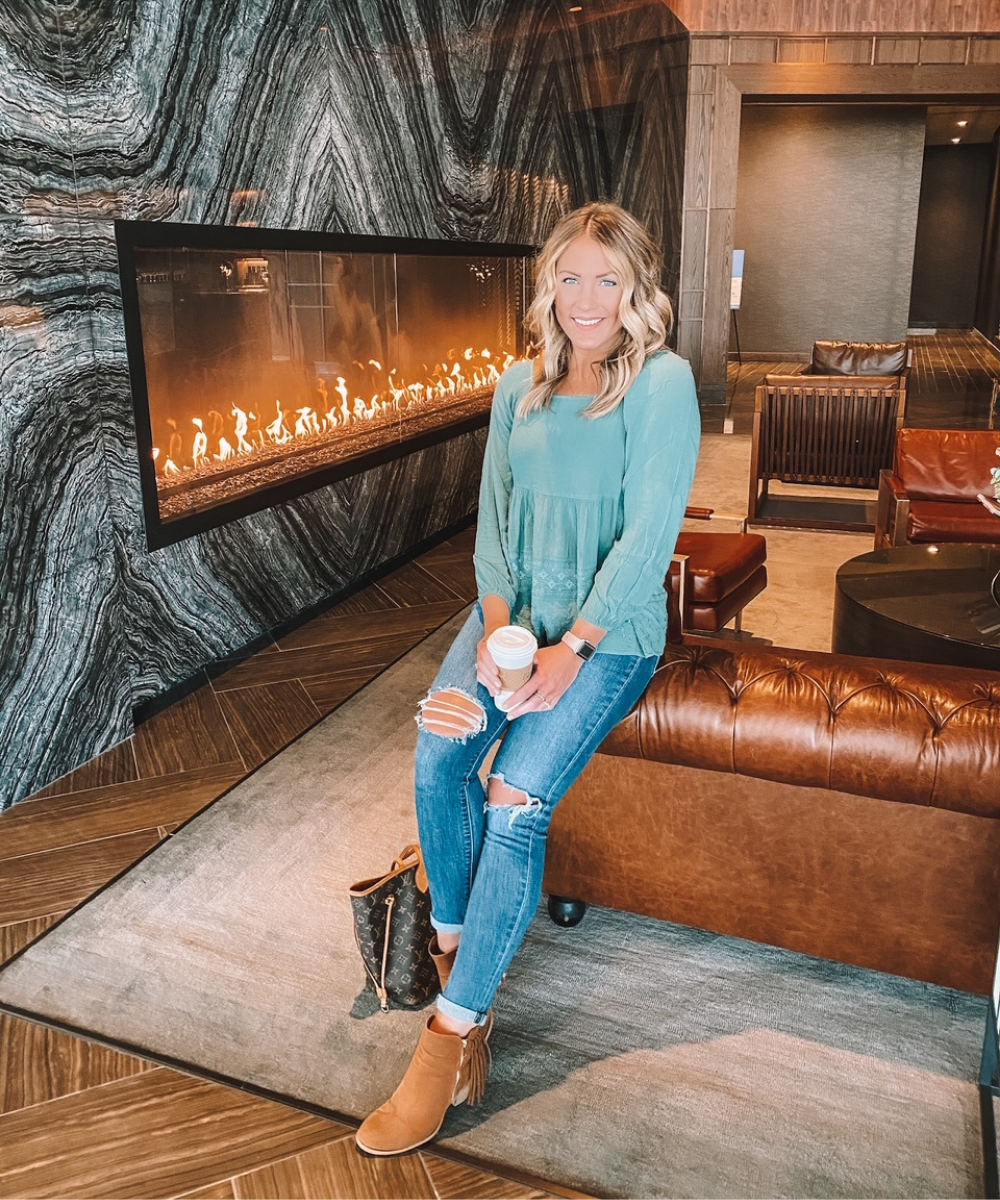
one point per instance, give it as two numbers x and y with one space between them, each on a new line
736 285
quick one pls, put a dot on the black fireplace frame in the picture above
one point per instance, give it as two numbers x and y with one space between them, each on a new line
131 236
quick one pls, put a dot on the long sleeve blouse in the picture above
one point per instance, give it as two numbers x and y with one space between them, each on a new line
579 516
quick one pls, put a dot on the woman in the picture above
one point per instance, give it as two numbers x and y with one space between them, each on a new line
589 460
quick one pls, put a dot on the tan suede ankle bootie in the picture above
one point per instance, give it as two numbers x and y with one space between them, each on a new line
443 961
446 1069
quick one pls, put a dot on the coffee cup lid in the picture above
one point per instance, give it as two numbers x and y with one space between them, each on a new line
512 637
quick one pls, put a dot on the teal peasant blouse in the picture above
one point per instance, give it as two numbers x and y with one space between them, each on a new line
578 517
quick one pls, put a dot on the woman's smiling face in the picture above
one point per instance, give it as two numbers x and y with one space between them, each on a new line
588 299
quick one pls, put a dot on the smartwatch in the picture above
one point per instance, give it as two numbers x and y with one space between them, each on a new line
585 650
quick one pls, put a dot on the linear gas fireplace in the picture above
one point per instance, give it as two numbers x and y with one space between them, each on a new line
265 363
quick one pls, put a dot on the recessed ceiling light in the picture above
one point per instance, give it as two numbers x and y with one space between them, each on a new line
577 8
961 124
955 141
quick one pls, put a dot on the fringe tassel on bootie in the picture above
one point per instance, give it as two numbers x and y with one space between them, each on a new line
446 1069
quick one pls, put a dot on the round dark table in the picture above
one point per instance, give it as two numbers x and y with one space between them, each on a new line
920 603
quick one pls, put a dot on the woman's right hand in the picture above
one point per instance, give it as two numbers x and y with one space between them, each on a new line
487 671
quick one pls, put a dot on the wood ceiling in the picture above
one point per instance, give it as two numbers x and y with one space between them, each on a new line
837 16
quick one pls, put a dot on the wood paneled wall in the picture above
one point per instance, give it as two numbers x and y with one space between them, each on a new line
840 64
840 16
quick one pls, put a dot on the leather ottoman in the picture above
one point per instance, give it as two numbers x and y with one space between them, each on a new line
721 573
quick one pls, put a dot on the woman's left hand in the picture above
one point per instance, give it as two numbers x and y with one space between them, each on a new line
555 669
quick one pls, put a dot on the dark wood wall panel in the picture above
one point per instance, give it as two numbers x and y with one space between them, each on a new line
954 194
836 16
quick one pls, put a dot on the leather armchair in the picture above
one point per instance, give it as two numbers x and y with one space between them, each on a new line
931 494
832 424
864 364
861 358
713 576
835 431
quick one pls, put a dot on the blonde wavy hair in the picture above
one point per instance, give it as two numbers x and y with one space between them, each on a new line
645 310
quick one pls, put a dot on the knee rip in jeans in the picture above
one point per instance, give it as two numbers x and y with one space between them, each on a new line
451 713
503 795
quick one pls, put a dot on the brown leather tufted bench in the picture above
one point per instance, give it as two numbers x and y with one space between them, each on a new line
839 806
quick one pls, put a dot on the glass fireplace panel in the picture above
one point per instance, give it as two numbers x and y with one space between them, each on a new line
262 369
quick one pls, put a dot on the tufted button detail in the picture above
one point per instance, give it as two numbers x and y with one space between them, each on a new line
928 736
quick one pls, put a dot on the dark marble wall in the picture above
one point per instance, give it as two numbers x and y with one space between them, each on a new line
475 119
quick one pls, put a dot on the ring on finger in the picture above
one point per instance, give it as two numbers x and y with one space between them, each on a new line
545 703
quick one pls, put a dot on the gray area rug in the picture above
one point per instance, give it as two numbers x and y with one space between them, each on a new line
632 1057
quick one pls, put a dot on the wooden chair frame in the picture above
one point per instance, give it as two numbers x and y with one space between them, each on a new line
833 431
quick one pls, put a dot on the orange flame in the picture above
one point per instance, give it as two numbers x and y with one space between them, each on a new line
470 371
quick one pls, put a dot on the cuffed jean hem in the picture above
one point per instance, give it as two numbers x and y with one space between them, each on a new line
458 1013
444 927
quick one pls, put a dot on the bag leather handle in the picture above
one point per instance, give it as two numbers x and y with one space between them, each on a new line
406 859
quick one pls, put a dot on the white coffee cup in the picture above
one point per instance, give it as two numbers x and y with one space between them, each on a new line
512 648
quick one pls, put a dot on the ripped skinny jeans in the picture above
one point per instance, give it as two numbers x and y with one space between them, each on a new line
485 861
